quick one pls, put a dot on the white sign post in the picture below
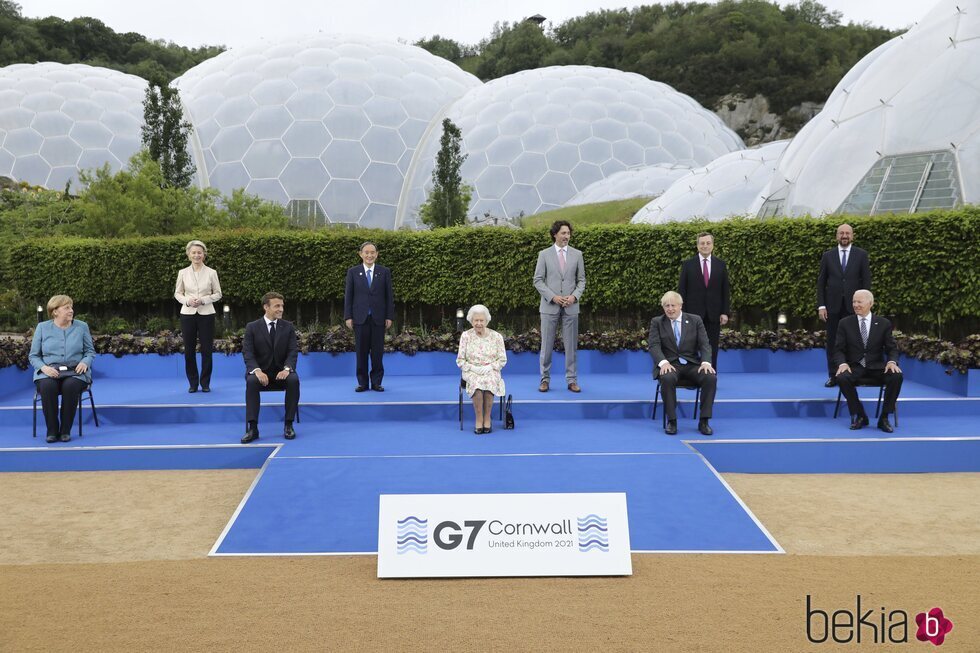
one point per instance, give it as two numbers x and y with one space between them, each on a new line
455 535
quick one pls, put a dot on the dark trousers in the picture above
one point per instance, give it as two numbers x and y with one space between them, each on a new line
687 374
194 329
252 389
847 384
369 339
834 316
70 388
713 327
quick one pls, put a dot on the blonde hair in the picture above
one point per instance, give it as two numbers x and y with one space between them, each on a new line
57 302
196 243
477 308
672 296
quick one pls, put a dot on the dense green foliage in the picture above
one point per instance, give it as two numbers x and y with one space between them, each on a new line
90 41
773 264
791 54
165 133
449 198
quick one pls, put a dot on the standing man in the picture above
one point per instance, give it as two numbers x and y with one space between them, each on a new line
559 277
270 350
866 351
705 290
681 352
843 270
369 306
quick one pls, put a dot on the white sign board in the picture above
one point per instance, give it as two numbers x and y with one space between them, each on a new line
439 535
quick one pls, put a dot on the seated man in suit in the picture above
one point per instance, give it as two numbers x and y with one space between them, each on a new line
270 351
681 351
866 351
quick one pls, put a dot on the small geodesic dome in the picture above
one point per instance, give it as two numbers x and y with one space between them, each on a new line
57 119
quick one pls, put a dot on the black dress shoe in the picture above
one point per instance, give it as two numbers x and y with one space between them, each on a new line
859 422
52 437
378 388
205 388
288 432
250 435
704 428
360 388
671 428
488 429
831 382
65 437
884 425
192 389
478 430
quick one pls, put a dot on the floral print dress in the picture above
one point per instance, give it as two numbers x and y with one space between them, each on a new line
481 358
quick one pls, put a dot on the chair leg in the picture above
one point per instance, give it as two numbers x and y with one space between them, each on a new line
837 405
697 402
460 409
501 416
91 400
656 398
35 413
881 393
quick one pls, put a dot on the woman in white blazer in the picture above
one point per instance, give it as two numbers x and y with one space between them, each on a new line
197 290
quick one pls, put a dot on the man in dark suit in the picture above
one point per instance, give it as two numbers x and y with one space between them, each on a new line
681 352
704 287
270 350
866 351
843 270
369 306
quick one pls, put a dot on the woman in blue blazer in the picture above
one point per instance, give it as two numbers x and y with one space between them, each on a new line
61 355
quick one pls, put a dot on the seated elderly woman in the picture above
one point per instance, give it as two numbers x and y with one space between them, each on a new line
61 355
481 357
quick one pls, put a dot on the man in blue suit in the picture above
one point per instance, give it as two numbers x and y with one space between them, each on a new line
369 306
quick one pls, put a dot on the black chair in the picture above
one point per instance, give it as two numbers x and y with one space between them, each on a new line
867 384
88 389
462 391
685 386
268 389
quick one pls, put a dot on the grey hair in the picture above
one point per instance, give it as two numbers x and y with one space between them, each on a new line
862 291
474 310
672 296
195 243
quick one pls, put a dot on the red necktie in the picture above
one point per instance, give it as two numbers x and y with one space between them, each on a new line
704 269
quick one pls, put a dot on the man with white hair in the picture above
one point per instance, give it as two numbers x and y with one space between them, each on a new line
866 352
681 352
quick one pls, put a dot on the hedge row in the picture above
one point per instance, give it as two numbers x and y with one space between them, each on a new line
922 265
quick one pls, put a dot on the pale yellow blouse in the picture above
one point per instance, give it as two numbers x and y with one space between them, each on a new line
202 284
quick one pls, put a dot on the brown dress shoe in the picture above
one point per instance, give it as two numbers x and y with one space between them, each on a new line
574 387
543 387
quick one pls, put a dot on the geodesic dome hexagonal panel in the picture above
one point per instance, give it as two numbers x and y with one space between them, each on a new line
727 186
57 119
651 181
901 132
325 124
535 138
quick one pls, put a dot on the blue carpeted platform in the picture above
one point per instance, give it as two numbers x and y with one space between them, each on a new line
319 493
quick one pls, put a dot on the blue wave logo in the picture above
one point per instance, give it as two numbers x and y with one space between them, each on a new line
413 535
593 533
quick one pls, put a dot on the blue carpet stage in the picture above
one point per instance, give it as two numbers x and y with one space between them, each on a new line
319 493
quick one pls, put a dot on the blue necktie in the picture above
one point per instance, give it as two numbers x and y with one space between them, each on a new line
677 337
843 261
369 278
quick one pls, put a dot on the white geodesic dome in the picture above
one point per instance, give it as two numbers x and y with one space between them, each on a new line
536 138
900 133
726 187
57 119
650 181
324 124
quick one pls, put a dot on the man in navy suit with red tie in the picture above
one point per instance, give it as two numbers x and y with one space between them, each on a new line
706 292
843 270
369 306
865 350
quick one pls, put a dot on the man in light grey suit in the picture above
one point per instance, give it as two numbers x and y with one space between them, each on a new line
559 277
681 352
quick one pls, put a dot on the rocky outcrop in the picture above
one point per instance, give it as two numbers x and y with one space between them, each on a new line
751 118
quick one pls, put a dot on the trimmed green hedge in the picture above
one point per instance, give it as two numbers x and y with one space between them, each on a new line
922 265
